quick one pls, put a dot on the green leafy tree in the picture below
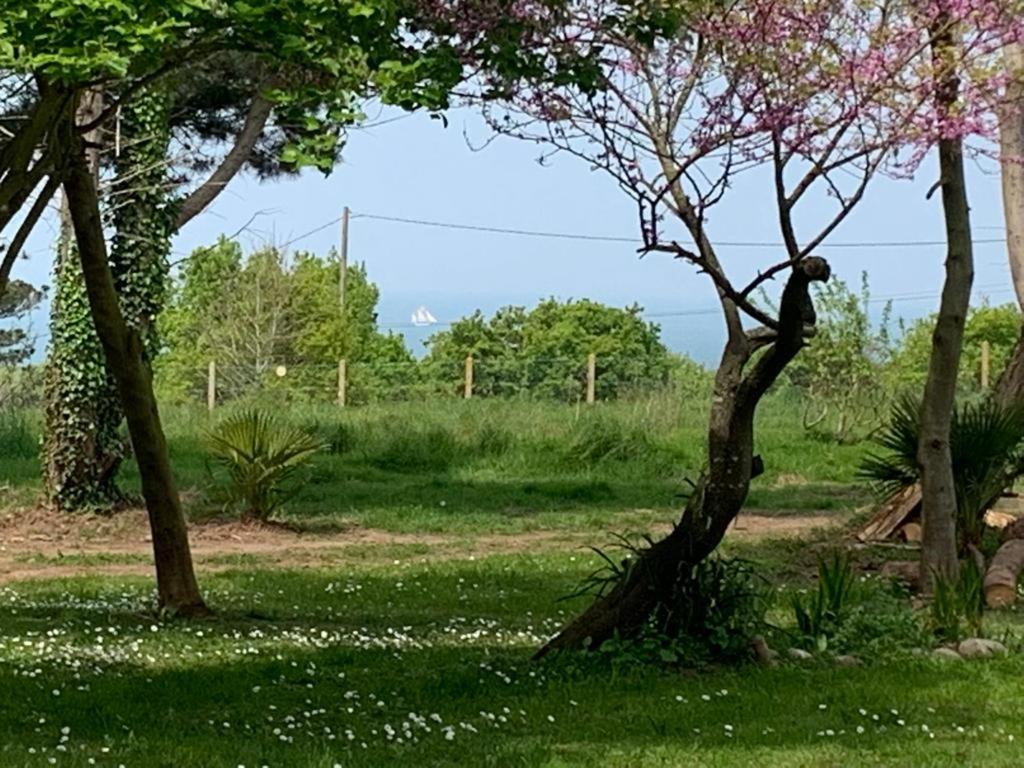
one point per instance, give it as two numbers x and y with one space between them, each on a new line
544 351
251 316
998 325
16 345
840 371
56 55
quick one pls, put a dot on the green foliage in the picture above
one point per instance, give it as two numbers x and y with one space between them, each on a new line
16 346
839 371
543 352
17 437
958 604
712 615
986 441
251 315
83 445
880 624
1000 326
819 618
261 457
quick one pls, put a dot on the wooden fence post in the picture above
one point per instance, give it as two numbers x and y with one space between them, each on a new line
985 362
211 387
342 381
468 387
591 378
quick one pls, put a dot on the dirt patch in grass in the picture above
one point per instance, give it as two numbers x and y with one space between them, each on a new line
42 543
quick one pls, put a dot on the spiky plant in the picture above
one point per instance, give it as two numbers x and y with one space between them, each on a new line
986 442
261 456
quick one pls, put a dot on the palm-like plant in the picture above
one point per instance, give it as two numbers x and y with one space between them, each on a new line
260 456
986 441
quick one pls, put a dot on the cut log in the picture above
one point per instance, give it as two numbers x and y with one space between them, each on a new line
1003 573
997 519
892 514
912 533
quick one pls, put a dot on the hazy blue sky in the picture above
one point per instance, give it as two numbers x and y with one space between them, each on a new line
413 167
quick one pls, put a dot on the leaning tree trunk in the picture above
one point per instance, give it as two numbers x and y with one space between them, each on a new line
125 358
721 490
938 494
1010 387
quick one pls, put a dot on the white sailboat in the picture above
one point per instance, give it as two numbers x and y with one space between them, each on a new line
422 317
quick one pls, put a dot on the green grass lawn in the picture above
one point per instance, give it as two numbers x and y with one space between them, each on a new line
390 662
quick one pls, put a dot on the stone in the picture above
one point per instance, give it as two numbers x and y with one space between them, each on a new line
946 654
763 652
980 648
799 654
849 661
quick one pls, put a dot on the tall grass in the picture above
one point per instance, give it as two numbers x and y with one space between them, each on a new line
515 456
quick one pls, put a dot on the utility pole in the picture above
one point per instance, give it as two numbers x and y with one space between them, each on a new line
343 276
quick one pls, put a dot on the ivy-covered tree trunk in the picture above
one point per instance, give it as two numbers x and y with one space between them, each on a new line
84 445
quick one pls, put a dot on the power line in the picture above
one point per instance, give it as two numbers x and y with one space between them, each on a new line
634 240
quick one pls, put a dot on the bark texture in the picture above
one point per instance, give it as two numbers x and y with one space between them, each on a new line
124 351
1010 387
938 494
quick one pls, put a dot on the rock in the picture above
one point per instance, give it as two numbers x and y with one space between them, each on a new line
946 654
980 648
849 661
799 654
764 653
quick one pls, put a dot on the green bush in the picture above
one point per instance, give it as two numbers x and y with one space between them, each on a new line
712 613
881 623
261 457
820 617
986 441
958 604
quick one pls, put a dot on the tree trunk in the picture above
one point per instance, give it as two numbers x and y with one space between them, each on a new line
938 494
721 490
1010 387
123 348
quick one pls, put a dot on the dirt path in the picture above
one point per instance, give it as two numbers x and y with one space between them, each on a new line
39 544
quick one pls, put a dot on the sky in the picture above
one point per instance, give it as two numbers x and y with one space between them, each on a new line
413 167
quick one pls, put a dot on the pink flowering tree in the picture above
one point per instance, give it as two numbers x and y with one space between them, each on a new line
821 96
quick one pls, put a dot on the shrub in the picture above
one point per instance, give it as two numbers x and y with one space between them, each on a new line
985 442
882 622
261 457
819 619
959 604
712 613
